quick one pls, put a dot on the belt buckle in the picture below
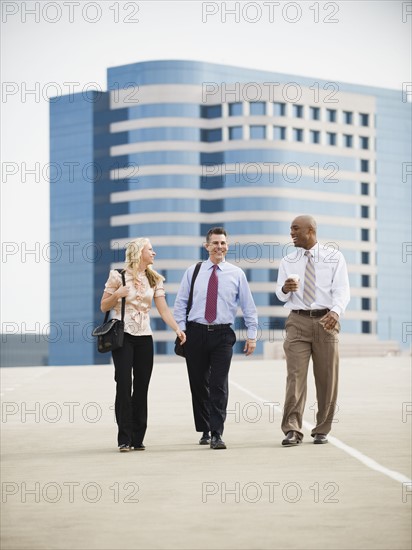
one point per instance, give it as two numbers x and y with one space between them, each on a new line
210 328
310 313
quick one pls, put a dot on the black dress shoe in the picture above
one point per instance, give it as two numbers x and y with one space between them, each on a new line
292 439
217 443
319 439
139 447
205 439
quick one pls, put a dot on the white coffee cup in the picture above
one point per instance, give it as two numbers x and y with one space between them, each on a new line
294 276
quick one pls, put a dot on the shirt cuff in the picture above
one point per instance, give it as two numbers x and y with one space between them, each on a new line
283 297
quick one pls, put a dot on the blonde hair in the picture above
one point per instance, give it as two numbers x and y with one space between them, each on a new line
133 255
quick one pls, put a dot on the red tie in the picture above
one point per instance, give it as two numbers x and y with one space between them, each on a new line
211 297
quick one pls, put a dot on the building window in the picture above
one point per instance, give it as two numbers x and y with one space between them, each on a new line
315 136
331 115
211 135
364 211
298 111
211 206
366 303
331 138
235 109
364 165
364 142
297 134
257 132
257 108
364 188
365 258
161 349
347 140
347 117
211 111
273 275
315 113
364 234
366 327
363 119
235 132
366 281
279 109
279 132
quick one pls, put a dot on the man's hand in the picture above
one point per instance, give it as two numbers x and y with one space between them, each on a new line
181 335
329 320
250 347
290 285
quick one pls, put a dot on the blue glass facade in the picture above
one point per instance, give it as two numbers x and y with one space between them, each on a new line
80 224
190 162
71 221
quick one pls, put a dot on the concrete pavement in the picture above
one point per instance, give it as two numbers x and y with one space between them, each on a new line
65 485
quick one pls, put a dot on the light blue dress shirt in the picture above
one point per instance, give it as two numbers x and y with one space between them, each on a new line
233 291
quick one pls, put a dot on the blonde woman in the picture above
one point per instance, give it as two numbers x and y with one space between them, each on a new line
135 358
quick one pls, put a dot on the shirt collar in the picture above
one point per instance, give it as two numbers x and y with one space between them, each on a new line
209 264
311 250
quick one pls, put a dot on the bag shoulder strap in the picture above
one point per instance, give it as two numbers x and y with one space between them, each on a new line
106 317
190 301
122 273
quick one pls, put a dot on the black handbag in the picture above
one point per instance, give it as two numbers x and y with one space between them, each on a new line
110 334
179 349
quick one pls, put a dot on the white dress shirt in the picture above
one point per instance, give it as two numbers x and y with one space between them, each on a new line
332 282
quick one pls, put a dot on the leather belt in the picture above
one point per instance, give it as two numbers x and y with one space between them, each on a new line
209 328
311 312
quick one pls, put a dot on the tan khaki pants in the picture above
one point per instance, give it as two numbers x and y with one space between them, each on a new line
305 337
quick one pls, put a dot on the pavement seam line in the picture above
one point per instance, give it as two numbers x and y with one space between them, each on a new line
354 453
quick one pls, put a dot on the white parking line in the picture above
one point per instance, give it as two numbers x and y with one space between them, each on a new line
366 460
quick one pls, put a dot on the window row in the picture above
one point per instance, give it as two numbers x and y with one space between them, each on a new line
292 110
251 152
284 133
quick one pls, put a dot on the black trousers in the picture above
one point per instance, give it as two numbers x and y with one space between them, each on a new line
134 357
208 357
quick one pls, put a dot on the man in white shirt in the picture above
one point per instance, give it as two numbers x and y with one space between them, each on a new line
313 282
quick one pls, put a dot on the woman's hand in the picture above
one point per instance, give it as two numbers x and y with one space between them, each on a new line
122 291
109 301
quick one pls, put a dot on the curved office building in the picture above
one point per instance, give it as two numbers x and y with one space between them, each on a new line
178 147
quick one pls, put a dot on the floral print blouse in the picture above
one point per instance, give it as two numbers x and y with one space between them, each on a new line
138 301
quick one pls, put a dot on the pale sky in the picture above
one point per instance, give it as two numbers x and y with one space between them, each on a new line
363 42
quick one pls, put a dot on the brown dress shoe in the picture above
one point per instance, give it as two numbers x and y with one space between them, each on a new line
319 439
292 439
